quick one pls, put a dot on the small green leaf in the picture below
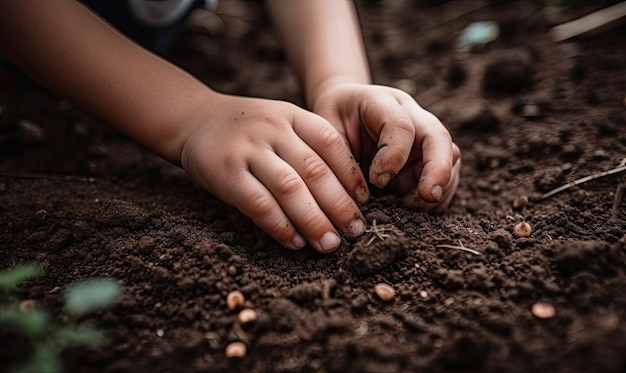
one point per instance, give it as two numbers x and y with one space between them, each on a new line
31 322
91 295
43 361
81 336
14 276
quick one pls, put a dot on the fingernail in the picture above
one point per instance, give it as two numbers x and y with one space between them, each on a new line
356 228
362 194
437 193
383 179
298 242
329 242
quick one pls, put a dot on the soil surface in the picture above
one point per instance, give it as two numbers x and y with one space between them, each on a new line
529 115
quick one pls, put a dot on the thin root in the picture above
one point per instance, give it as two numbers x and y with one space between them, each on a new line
618 169
378 232
460 247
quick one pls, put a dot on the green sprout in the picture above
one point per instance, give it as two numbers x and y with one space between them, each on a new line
49 336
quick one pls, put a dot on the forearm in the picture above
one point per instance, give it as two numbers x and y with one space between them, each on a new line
323 42
65 47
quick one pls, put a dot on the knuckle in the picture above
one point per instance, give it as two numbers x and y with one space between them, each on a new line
331 138
262 207
315 169
289 183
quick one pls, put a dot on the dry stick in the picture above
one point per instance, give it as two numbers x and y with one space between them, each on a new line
460 247
618 169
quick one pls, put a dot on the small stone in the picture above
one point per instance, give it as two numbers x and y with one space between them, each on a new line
520 202
532 111
231 270
236 350
543 310
423 294
235 300
160 333
385 292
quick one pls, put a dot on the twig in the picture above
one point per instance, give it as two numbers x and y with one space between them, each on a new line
594 22
618 169
460 247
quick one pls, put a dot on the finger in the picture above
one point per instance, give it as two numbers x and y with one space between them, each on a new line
324 186
296 201
437 152
254 200
385 119
324 139
412 198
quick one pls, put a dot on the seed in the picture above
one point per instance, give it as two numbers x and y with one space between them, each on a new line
384 292
236 350
543 310
235 300
522 229
520 202
246 316
27 305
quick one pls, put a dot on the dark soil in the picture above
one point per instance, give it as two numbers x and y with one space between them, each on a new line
83 201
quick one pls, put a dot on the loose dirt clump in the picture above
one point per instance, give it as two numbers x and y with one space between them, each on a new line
380 246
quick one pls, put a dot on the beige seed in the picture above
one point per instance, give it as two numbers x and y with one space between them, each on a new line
543 310
522 229
235 300
236 350
27 305
246 316
384 292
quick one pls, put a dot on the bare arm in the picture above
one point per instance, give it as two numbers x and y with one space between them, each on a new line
403 145
282 166
61 44
323 41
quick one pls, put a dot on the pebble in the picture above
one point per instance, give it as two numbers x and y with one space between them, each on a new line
384 292
520 202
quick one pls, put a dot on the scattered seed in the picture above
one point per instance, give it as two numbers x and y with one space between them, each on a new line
384 292
235 300
236 350
543 310
246 316
522 229
520 202
423 294
27 305
160 333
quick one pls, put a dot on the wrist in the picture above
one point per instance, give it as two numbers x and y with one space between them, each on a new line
317 89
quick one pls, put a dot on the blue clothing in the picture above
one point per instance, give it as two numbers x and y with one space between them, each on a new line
147 21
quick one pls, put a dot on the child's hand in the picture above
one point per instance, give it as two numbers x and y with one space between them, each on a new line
287 169
403 145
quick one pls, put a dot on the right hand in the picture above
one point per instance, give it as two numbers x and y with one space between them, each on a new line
287 169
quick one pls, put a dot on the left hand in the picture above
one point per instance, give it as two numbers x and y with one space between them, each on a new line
403 145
